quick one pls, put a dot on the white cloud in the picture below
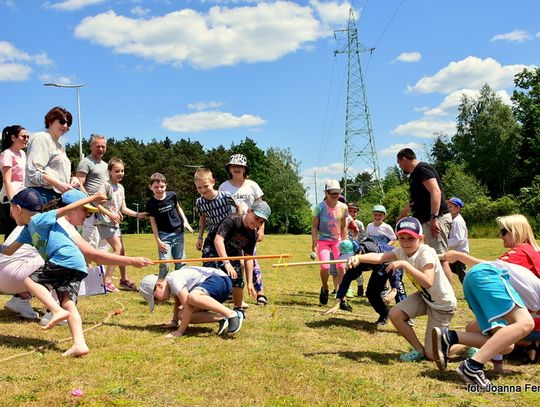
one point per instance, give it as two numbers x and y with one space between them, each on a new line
139 11
211 120
391 151
332 13
9 4
513 36
450 104
223 36
204 105
472 73
15 63
409 57
71 5
61 79
425 128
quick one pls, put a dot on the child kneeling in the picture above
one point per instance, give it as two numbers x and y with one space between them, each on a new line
199 293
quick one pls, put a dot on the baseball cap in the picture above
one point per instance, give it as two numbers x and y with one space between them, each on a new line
261 209
379 208
74 195
457 202
332 184
28 199
409 225
346 249
146 289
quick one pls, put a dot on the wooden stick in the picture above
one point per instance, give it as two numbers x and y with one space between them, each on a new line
264 256
309 263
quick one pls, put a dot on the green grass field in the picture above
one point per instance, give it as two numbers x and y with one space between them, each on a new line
286 354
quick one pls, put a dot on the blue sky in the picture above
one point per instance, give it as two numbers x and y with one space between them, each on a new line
218 71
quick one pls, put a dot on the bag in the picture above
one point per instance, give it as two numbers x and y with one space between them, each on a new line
93 283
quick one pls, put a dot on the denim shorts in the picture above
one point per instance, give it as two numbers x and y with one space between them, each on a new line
217 287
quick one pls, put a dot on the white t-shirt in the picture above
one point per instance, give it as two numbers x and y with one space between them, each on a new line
15 268
383 230
246 195
440 295
458 238
189 277
524 282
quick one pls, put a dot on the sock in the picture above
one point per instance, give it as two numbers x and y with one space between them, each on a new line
453 336
474 365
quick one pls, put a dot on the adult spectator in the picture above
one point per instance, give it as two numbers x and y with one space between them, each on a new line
427 202
48 168
92 174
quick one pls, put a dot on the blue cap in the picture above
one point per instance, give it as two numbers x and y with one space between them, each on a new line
29 199
457 202
409 226
261 209
74 195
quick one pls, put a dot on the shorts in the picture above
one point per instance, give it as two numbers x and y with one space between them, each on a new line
217 287
440 243
59 278
106 232
489 295
415 306
324 248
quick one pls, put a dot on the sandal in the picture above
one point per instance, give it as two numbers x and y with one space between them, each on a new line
110 287
129 285
261 299
412 356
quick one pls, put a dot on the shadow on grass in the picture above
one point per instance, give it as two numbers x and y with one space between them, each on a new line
378 357
8 316
340 322
21 342
193 330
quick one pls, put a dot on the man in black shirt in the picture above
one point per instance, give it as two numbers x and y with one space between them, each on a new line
427 202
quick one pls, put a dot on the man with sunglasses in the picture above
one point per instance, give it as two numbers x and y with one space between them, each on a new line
48 168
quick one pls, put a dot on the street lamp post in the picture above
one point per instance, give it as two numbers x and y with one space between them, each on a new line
77 87
137 205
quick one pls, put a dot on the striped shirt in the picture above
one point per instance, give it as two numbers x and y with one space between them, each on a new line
215 209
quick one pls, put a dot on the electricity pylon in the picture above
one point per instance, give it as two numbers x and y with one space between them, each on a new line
359 141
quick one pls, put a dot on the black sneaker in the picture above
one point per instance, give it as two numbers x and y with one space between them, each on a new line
323 296
345 306
360 292
235 323
223 326
441 347
382 321
472 376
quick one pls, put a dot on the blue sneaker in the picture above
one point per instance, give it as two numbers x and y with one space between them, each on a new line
235 323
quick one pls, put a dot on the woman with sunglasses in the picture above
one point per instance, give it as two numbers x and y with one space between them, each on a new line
12 164
48 168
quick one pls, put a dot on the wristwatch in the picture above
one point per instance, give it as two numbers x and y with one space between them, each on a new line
433 216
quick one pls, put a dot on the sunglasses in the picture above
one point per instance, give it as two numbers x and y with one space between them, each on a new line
63 122
503 232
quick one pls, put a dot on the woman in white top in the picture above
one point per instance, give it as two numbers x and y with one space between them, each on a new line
245 192
48 168
12 164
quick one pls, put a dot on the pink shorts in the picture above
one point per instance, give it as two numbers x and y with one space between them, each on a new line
324 248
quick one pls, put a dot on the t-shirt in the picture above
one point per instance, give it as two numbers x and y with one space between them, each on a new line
238 239
115 199
17 162
246 195
524 255
383 230
96 173
440 295
190 277
330 220
215 209
165 213
458 237
52 239
419 196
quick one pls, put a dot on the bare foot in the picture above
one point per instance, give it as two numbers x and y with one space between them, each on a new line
57 317
173 334
77 351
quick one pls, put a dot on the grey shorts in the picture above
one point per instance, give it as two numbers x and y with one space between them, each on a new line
106 232
59 278
440 243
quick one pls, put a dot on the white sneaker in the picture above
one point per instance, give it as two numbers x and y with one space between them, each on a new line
21 307
45 319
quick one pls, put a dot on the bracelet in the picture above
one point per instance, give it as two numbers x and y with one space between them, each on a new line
200 238
226 262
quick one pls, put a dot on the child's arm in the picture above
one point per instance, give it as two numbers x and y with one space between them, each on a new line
115 217
314 233
97 197
343 226
248 266
219 244
452 256
183 216
202 226
162 247
425 277
187 312
130 212
370 258
10 249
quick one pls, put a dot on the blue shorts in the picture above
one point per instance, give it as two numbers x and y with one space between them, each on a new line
217 287
489 295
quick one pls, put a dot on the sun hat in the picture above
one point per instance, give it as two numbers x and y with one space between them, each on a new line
29 199
146 289
261 209
332 184
409 225
237 159
457 202
379 208
74 195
